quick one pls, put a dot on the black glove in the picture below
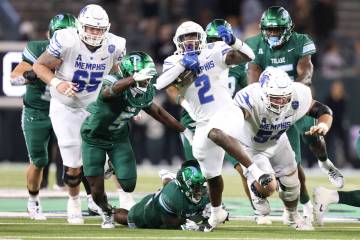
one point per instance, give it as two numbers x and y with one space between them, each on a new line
30 76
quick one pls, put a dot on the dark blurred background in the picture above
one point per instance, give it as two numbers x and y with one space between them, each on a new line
149 25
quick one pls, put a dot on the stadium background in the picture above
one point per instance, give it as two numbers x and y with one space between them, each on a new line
149 25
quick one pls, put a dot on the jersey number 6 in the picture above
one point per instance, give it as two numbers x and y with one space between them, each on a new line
204 83
80 77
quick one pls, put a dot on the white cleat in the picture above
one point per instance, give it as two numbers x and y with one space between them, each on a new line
322 198
294 220
166 174
126 200
335 176
74 213
220 217
108 221
263 220
35 211
93 209
308 213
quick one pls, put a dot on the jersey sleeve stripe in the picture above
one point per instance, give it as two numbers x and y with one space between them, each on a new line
57 42
164 205
309 48
225 51
28 54
53 52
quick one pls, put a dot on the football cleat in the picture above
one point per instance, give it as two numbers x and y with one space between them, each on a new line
293 219
35 211
108 221
308 213
74 213
93 209
263 220
166 174
335 176
217 218
126 200
322 198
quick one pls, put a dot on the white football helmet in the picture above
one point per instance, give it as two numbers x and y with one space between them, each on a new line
93 16
184 45
277 89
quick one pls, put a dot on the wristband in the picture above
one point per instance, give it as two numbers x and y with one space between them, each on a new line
55 82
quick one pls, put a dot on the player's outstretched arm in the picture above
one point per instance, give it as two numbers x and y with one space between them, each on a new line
43 68
304 70
22 74
324 116
161 115
254 72
118 87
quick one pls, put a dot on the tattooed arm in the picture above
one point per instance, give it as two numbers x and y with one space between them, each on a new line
43 69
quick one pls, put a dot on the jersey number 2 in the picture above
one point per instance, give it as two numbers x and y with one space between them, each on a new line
203 82
80 76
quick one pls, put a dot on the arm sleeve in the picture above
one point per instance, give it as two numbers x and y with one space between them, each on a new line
308 46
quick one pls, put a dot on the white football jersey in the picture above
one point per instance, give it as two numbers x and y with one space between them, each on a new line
264 128
81 66
209 92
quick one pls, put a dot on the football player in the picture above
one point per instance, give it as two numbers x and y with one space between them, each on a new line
278 46
271 106
208 101
175 206
80 58
36 123
323 197
106 130
236 81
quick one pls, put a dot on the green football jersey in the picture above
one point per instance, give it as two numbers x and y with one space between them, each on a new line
109 118
37 94
169 201
287 57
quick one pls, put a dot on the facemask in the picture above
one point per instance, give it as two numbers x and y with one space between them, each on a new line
273 41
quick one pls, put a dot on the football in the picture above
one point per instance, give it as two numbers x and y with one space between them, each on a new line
185 79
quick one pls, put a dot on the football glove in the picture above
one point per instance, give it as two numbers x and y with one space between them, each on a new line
143 74
190 61
190 226
226 35
30 76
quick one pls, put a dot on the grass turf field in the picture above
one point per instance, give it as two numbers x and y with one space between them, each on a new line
342 221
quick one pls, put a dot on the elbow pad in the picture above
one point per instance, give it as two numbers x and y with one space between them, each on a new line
319 109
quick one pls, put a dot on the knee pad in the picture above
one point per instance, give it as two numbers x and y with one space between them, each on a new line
128 185
289 187
72 181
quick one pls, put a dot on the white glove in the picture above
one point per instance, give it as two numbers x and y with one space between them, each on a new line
143 74
189 135
190 226
207 211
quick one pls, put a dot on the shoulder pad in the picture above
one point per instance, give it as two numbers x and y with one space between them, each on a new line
119 42
66 37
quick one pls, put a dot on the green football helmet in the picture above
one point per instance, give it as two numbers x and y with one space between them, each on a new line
211 29
61 21
276 26
191 181
143 92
